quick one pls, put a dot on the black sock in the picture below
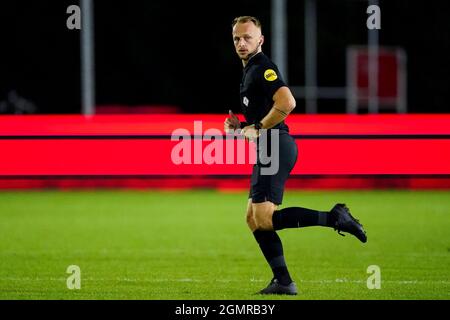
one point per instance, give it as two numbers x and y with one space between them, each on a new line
296 217
271 247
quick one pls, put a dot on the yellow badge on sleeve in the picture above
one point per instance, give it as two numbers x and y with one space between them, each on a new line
270 75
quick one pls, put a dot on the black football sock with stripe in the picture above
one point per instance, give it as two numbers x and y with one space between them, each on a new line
297 217
272 248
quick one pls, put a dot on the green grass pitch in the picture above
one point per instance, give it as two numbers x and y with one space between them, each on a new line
196 245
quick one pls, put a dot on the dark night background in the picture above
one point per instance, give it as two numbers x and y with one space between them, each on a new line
181 53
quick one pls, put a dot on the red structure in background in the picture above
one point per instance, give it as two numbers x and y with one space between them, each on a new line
335 151
391 85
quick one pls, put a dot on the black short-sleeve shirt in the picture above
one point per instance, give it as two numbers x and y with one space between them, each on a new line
260 80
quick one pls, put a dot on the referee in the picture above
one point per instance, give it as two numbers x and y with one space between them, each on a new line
266 101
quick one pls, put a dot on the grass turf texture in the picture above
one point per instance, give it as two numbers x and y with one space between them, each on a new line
196 245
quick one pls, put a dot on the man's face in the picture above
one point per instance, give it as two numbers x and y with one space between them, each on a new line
247 39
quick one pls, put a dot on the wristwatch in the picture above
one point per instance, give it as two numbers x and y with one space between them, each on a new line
258 125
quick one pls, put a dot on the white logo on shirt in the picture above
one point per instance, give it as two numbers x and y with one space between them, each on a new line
245 101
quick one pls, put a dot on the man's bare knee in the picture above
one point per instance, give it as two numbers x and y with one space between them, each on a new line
251 223
250 218
263 213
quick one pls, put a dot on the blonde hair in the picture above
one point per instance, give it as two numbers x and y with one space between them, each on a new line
244 19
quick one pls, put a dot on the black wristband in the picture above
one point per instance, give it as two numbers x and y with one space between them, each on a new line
244 124
258 125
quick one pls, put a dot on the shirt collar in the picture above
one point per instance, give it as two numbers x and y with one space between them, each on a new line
254 59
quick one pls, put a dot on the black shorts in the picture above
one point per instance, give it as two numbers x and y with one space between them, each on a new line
271 187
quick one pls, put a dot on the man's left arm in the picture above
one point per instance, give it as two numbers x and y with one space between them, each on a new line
284 103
